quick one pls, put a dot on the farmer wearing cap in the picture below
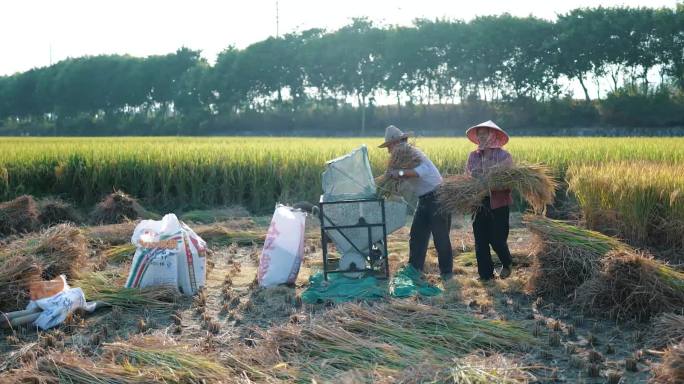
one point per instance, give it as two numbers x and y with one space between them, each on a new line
428 218
490 221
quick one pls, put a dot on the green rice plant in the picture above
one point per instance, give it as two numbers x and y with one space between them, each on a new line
643 202
170 173
119 253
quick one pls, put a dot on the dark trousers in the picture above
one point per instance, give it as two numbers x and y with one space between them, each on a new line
429 220
490 227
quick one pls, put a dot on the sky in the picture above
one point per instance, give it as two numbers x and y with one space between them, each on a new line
34 33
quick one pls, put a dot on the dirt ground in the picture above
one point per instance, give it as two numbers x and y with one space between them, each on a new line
240 308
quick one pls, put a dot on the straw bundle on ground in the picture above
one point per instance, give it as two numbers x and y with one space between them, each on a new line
403 156
672 369
219 235
666 329
16 271
118 207
564 255
150 359
632 286
387 338
167 360
108 287
534 182
56 211
119 253
62 249
114 234
19 215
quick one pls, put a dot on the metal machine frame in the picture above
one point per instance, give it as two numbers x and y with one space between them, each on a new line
373 259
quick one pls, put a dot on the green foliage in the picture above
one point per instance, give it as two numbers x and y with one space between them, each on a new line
496 58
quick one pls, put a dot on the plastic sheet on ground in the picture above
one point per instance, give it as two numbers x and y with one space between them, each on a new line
407 282
340 288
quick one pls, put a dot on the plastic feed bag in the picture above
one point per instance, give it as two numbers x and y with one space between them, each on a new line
283 250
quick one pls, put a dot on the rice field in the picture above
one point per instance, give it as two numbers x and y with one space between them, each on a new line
553 320
186 173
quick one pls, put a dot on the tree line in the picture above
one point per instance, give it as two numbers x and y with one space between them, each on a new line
501 64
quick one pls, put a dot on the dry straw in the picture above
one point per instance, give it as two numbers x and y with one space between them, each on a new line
403 156
118 207
56 211
534 182
384 339
666 329
62 249
16 272
632 286
671 370
19 215
564 255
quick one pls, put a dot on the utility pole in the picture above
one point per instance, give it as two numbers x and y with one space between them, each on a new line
277 20
50 54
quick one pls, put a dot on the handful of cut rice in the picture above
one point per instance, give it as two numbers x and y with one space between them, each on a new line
463 193
404 156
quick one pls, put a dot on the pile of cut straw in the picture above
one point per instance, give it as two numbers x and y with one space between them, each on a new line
564 255
16 272
150 359
384 339
632 286
671 371
19 215
666 329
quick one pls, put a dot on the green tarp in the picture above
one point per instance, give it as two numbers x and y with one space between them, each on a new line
338 289
407 282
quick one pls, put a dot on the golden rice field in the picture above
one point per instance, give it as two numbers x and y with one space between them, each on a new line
183 173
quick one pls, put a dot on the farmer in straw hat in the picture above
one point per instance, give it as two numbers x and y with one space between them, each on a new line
428 218
490 221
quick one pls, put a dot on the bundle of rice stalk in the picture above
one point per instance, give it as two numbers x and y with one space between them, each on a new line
118 207
461 194
403 156
108 288
63 249
16 272
632 286
56 211
167 361
219 235
564 255
672 369
19 215
534 182
119 253
68 367
666 329
114 234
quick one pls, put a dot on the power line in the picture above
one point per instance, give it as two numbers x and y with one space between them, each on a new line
277 20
